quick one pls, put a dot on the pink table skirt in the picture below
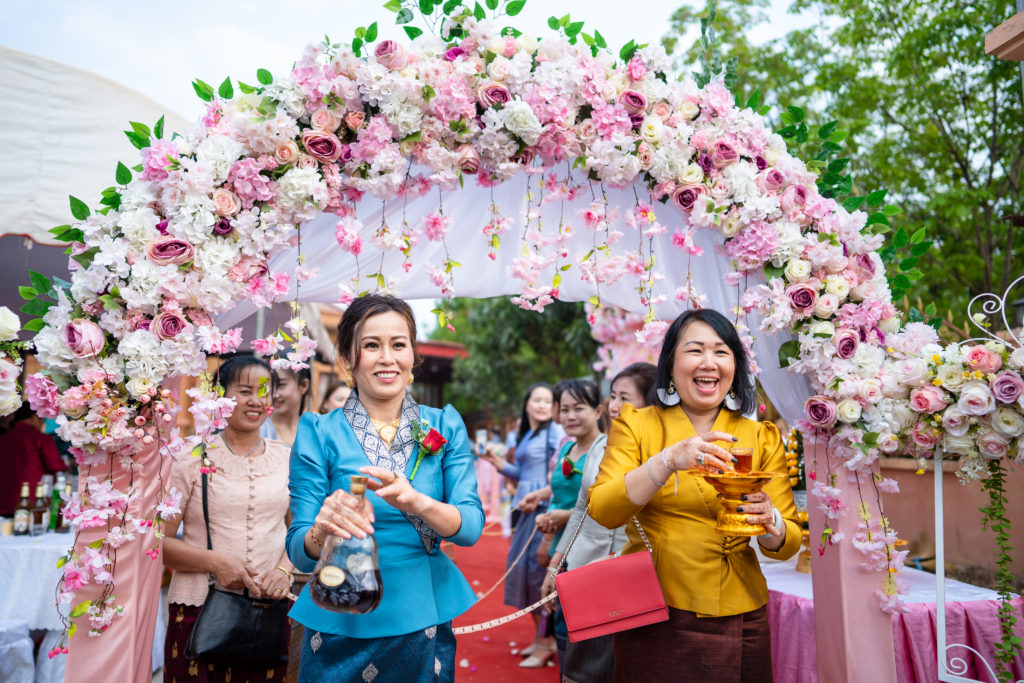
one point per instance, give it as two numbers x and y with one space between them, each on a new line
973 624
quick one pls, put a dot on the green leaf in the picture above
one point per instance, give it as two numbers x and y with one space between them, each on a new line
797 112
587 38
80 609
34 325
78 208
393 5
264 76
478 12
426 7
788 352
449 6
158 129
138 141
908 263
85 258
877 197
918 236
40 282
412 137
27 293
754 101
891 210
553 23
203 90
574 28
564 20
899 240
920 249
122 175
826 131
877 217
405 16
838 165
626 53
771 272
357 45
361 32
140 128
492 4
371 32
851 204
246 88
901 281
225 90
412 32
36 307
599 40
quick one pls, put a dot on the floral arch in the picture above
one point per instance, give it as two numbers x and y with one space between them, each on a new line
479 163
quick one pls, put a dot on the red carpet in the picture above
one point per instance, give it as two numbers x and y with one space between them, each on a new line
485 656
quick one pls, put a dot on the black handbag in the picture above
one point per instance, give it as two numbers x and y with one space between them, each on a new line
236 629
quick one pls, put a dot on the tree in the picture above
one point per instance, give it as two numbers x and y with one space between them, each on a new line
931 117
510 349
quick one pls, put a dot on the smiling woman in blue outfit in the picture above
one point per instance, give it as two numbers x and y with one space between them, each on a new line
408 637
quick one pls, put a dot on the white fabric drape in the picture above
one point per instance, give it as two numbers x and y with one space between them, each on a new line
480 277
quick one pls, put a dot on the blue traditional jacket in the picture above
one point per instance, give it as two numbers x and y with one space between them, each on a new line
421 586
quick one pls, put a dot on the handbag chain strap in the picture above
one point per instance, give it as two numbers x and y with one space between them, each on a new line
565 555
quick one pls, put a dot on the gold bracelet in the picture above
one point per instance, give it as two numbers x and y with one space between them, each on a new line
312 535
286 572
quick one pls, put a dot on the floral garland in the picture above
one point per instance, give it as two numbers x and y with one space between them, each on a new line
187 232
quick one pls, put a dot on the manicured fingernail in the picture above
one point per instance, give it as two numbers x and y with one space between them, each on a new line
734 438
739 509
743 497
735 459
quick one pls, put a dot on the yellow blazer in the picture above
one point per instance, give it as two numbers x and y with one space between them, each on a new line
700 570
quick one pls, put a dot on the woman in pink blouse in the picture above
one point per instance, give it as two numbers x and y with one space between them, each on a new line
248 510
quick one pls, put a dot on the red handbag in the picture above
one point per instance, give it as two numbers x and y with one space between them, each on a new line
611 595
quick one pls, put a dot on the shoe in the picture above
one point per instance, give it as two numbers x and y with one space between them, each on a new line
538 660
528 650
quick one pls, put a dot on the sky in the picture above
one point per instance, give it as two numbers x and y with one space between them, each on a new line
159 48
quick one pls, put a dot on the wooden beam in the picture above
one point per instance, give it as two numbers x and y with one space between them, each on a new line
1006 41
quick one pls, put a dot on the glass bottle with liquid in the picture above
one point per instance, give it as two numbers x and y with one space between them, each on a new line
40 511
62 524
23 513
347 576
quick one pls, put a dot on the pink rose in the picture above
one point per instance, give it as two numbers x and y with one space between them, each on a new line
226 202
821 411
770 180
846 342
645 155
168 324
469 159
980 359
992 444
490 93
723 154
662 110
170 251
684 196
325 120
84 337
1007 386
925 435
323 146
287 152
354 119
955 421
976 399
633 102
864 266
43 396
307 161
802 295
391 54
928 399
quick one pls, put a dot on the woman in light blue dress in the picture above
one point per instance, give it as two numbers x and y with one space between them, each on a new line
408 508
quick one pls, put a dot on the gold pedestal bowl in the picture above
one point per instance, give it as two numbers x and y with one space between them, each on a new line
733 486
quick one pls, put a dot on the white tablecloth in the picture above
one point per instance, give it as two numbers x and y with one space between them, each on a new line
28 584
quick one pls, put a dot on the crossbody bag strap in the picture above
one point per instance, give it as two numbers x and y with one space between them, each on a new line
579 526
206 520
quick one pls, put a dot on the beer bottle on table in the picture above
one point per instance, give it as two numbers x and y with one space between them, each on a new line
23 513
40 511
347 576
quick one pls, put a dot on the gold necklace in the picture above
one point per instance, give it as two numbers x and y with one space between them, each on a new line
387 430
252 450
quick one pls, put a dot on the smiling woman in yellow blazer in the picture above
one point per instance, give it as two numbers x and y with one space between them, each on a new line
718 625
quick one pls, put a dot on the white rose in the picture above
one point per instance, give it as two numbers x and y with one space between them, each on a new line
951 376
1017 358
976 399
848 410
825 305
651 130
1008 422
912 372
139 386
797 270
689 110
870 391
992 444
498 69
889 325
837 284
9 324
520 119
527 43
955 421
822 327
731 225
888 442
9 402
962 444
